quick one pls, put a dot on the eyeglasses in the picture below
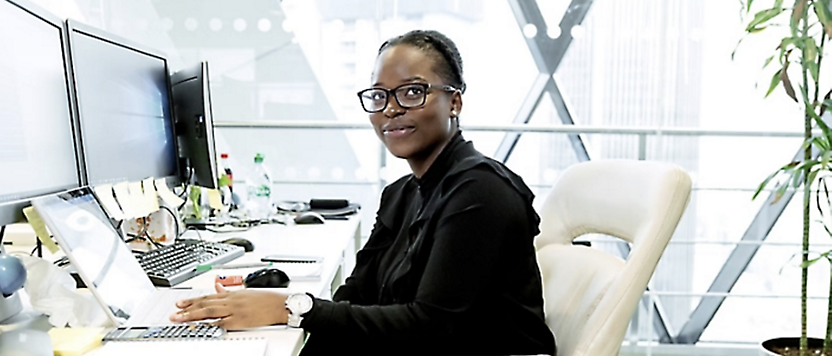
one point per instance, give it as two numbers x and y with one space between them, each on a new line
408 96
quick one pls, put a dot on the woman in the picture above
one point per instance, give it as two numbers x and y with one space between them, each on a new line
449 267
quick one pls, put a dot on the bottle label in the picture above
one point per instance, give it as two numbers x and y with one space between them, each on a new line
262 190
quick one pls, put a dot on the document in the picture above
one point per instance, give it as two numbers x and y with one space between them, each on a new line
179 347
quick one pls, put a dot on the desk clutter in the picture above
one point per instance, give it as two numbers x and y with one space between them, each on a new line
328 208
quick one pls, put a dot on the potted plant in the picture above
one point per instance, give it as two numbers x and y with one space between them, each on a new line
799 57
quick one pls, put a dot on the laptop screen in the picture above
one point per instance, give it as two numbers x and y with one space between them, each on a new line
96 249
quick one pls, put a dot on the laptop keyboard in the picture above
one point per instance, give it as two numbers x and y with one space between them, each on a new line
174 264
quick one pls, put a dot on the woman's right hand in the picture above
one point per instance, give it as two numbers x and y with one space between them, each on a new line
235 310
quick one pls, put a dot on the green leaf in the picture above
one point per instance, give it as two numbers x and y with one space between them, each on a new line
775 80
797 14
810 50
807 263
748 5
820 143
825 158
762 17
824 16
812 176
765 183
813 70
768 61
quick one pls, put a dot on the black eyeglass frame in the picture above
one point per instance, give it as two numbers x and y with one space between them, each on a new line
392 92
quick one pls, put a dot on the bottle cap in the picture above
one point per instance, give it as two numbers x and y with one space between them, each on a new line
223 155
258 158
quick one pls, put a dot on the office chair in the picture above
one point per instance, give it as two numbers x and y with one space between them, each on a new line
590 295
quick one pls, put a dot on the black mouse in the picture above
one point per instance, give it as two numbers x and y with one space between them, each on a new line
239 241
267 278
309 217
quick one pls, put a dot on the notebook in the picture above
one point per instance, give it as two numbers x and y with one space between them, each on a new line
203 347
83 230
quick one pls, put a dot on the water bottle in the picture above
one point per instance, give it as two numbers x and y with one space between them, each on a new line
226 183
259 191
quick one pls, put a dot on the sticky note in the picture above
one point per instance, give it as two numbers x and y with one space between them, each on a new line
150 197
136 199
75 341
167 196
40 229
214 199
105 195
122 192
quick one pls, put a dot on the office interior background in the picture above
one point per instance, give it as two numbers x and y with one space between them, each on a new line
634 79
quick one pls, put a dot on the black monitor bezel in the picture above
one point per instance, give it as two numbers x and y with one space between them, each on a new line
73 26
198 73
12 211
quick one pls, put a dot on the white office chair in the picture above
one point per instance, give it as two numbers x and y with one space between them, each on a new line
590 295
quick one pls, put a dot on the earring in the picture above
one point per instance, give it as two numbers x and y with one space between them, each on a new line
453 113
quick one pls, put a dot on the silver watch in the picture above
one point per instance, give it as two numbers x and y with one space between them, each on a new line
298 305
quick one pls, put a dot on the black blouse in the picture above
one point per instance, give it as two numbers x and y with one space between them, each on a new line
449 268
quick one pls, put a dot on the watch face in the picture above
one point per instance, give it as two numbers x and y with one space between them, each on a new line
299 303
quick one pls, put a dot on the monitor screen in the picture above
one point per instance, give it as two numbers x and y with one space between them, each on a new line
194 123
37 146
123 97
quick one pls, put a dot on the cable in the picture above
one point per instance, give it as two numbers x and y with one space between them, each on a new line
2 233
186 184
175 220
198 235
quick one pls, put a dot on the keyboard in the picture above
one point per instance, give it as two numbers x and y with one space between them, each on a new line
174 264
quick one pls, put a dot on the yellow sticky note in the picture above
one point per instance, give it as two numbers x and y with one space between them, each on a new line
105 195
75 341
150 197
214 199
122 191
167 196
40 229
137 200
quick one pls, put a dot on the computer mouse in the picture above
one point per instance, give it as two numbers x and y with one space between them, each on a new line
25 342
267 278
239 241
309 217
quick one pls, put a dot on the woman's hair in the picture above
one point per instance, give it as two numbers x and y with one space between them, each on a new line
438 47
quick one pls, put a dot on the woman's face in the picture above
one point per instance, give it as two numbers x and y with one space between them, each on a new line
417 134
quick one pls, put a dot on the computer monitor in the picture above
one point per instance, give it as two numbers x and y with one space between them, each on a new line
37 143
194 123
122 96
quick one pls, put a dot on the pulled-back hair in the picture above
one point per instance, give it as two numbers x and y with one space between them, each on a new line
438 47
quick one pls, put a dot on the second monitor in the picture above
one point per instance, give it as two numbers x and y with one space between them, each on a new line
122 93
194 123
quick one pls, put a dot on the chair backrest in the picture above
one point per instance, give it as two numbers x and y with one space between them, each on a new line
590 295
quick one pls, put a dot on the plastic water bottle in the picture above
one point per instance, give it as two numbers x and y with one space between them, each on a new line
260 190
226 183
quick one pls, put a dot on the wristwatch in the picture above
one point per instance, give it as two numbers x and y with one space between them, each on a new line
298 304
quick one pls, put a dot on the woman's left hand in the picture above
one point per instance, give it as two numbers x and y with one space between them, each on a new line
235 310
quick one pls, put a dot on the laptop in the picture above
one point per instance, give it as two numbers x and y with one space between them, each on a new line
105 263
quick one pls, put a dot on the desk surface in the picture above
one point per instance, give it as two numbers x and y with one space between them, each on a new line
336 241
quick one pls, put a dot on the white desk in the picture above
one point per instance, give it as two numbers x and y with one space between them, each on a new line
336 241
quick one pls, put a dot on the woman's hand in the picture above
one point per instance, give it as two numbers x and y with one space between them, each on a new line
235 310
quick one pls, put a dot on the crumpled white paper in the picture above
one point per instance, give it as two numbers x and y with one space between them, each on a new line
52 292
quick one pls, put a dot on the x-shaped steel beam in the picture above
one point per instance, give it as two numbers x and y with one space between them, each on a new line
548 54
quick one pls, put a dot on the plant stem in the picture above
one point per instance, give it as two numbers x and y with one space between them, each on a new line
827 341
807 155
